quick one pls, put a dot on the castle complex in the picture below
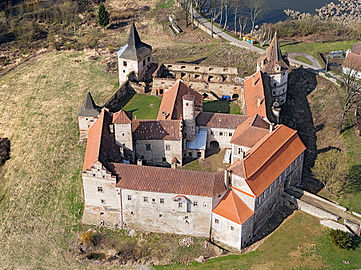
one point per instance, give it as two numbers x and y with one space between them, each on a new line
132 175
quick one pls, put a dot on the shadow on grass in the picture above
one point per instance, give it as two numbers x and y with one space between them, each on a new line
356 242
216 106
297 115
194 62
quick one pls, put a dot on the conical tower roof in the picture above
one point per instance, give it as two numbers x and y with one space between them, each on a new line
135 49
273 61
89 107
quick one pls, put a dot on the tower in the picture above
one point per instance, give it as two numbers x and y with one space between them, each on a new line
87 116
133 58
122 121
189 117
275 66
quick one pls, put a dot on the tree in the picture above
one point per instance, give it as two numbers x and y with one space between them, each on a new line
341 239
352 89
103 15
331 169
256 8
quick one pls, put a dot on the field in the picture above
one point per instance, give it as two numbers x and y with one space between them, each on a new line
303 59
299 243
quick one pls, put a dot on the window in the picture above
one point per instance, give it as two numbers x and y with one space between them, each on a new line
131 212
230 134
153 200
145 199
216 221
101 213
212 132
143 62
129 197
190 154
102 201
167 147
148 58
199 154
160 215
123 134
239 150
161 200
100 189
148 147
125 63
186 217
180 205
220 133
195 203
123 71
164 159
186 103
232 228
204 204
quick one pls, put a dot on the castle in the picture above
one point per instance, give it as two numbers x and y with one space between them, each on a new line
132 175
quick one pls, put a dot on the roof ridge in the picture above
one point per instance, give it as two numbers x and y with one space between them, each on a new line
235 205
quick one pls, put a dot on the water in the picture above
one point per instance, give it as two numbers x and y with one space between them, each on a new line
274 10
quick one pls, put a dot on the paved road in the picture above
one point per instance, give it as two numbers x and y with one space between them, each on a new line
310 57
243 44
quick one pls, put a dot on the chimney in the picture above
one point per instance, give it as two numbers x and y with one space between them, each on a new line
258 101
226 178
139 162
243 154
163 115
270 128
253 80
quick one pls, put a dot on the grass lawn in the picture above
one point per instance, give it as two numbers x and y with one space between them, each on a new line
314 48
221 107
299 243
143 106
303 59
213 163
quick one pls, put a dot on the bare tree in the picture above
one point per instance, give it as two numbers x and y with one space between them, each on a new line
266 33
243 22
256 8
352 89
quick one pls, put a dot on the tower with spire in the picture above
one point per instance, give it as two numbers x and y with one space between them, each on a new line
275 66
133 58
87 116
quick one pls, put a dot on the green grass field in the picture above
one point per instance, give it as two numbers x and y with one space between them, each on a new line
303 59
143 106
299 243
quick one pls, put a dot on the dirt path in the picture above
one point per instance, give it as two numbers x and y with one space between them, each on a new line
313 60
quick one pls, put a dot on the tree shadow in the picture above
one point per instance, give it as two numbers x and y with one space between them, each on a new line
194 62
290 43
117 25
354 175
326 149
320 127
356 241
297 114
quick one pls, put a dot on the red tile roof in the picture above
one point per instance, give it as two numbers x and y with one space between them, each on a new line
157 129
353 61
233 208
250 131
254 93
172 103
122 117
166 180
219 120
101 143
267 159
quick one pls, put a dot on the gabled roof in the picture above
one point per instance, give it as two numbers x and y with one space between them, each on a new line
219 120
101 143
89 107
273 62
167 180
250 131
353 61
233 208
172 101
122 117
356 48
157 129
135 49
258 96
268 158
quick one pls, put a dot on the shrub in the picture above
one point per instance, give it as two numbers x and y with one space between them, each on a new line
103 15
341 239
4 150
86 238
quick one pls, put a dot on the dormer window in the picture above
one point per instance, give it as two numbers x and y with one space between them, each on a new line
125 63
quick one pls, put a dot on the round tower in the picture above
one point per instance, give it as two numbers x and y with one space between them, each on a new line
189 117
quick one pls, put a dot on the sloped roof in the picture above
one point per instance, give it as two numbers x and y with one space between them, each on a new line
267 159
250 131
101 143
219 120
135 49
156 129
89 107
167 180
353 61
257 88
122 117
233 208
356 48
172 101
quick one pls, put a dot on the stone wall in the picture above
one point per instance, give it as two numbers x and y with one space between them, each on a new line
226 231
117 101
159 150
221 135
157 212
85 122
334 225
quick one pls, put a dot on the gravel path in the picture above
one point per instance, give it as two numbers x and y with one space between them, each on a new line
313 60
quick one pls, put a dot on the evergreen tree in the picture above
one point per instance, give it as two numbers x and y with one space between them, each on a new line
103 15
